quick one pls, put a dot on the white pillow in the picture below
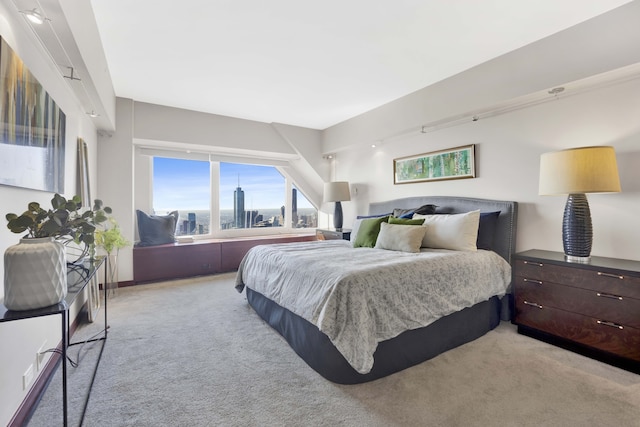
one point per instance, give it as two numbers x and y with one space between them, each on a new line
398 237
458 232
354 230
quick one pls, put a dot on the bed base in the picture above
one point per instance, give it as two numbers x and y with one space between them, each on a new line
393 355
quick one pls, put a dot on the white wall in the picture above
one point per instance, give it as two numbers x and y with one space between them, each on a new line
21 340
508 149
508 146
116 182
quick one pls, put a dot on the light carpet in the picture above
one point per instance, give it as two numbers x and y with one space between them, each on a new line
193 353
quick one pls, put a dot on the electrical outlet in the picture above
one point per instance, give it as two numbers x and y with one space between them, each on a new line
27 377
40 356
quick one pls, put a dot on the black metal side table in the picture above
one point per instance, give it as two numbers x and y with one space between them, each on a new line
79 276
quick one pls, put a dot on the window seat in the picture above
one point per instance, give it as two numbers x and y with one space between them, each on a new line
199 257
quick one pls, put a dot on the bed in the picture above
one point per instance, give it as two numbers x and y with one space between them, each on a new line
320 295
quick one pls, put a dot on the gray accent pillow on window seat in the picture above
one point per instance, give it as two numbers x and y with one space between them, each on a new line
156 229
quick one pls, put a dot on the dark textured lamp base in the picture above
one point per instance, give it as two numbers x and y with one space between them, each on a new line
577 231
337 217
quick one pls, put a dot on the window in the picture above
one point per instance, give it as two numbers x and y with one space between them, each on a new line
222 197
184 186
304 214
251 196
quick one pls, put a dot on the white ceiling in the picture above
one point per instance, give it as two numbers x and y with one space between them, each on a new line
311 64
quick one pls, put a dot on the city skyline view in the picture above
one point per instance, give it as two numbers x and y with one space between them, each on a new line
181 184
308 218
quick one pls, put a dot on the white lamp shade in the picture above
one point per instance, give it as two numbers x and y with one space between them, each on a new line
337 191
579 171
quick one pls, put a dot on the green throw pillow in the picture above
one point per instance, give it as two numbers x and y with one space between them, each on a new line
406 221
368 232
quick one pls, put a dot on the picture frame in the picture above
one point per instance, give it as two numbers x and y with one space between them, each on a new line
83 187
32 129
451 163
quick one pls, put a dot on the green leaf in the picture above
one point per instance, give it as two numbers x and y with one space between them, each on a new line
58 202
99 217
61 217
71 206
50 228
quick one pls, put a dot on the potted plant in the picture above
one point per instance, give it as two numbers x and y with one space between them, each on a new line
110 239
35 273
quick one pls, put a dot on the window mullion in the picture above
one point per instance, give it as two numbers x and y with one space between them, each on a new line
215 198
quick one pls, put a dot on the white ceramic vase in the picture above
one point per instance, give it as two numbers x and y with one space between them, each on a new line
35 274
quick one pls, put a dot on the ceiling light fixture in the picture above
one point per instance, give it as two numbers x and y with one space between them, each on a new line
34 16
93 114
556 90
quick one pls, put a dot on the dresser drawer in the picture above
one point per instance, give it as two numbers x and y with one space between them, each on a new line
530 269
595 280
615 308
596 333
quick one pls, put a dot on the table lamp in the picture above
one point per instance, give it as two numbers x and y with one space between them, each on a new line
576 172
337 191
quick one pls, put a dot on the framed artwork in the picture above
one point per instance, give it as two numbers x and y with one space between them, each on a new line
32 129
452 163
83 188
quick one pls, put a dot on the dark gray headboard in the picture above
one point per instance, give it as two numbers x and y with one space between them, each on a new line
505 239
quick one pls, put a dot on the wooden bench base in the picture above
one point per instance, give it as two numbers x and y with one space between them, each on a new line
200 257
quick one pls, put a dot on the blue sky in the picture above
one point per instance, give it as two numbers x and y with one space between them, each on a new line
184 184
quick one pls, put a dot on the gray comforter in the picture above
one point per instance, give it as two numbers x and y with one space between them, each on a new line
361 296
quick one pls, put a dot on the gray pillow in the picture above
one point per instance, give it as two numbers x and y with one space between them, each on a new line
400 237
408 213
156 229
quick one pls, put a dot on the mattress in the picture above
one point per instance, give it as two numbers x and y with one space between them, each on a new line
360 297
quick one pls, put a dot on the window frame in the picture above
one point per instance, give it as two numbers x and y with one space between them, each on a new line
215 230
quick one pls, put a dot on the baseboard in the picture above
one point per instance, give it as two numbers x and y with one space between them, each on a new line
126 283
122 284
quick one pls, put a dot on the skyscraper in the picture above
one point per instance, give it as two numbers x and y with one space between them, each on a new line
238 207
294 208
192 223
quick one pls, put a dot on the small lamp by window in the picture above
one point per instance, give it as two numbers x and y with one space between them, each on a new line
337 191
575 172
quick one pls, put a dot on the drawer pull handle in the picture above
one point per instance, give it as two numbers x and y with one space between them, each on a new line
533 304
611 324
600 294
613 276
537 264
537 282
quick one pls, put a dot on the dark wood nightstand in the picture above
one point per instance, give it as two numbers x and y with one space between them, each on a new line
593 308
321 234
